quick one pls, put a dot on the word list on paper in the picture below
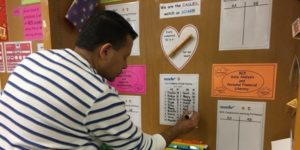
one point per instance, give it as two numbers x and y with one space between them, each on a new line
177 93
240 125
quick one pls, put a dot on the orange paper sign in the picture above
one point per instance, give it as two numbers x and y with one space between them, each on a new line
254 81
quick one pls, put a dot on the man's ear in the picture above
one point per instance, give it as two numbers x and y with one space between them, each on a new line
104 50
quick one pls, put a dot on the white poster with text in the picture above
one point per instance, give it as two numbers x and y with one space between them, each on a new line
178 93
240 125
180 9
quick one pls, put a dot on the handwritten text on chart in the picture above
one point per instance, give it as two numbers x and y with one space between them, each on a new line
178 92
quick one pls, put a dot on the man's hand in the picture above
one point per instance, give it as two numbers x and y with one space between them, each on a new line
182 126
186 124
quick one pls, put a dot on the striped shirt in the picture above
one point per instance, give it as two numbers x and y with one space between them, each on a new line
56 100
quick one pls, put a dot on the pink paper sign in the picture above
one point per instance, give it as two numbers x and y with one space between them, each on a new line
15 52
2 67
32 22
132 80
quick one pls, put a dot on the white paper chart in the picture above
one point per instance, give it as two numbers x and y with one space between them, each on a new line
177 92
133 107
245 24
240 125
130 11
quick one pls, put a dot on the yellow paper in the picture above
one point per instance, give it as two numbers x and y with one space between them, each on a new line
108 1
29 1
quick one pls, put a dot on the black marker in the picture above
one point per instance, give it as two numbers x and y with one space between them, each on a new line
188 116
190 109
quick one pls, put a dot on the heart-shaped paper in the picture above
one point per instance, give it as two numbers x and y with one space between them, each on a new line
183 43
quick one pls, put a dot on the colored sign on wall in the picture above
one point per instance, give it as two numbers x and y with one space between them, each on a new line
32 22
132 80
254 81
15 52
3 21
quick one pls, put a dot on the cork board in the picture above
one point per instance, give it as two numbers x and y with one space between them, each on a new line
282 50
16 29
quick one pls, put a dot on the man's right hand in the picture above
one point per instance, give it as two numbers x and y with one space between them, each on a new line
182 126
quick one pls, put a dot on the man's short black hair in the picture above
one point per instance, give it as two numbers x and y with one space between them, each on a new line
104 26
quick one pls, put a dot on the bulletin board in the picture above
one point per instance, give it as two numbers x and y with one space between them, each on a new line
282 49
17 31
297 117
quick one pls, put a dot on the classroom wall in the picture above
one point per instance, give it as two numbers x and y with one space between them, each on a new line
282 50
60 34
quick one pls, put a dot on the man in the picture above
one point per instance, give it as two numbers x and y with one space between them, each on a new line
59 99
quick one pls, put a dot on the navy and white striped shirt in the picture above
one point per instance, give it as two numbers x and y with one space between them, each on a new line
55 100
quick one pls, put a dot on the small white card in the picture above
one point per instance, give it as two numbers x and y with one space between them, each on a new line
180 9
283 144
